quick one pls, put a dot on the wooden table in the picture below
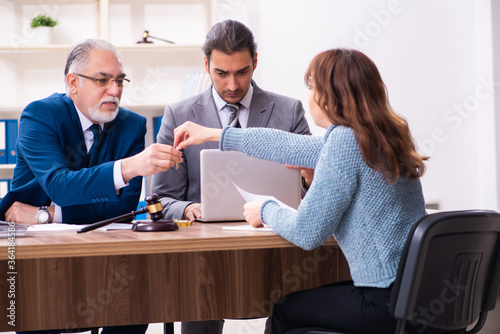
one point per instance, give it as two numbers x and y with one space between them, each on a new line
103 278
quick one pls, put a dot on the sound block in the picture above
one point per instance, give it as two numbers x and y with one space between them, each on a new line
155 226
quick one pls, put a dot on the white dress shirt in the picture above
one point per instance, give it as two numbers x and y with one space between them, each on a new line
243 112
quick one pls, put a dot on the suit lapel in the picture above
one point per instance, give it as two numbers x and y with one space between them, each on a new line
206 112
77 128
260 109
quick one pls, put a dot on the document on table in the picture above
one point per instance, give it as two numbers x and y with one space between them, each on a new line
74 227
265 228
12 230
250 197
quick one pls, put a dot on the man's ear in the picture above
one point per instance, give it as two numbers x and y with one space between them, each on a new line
255 61
73 82
207 65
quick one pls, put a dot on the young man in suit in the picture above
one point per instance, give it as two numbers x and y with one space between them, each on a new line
230 60
81 157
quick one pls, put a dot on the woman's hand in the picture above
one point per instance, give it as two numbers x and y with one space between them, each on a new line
191 133
252 213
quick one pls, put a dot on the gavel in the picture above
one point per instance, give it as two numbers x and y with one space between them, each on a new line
155 210
145 36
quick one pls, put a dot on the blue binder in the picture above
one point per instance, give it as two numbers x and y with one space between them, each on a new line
142 202
156 126
11 133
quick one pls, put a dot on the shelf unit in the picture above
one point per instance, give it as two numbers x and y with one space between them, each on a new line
157 71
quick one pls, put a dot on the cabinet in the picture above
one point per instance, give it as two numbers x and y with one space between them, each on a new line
157 71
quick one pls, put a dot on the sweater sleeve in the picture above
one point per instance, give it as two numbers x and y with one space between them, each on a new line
274 145
329 197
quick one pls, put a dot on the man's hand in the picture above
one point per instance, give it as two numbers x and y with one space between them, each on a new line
154 159
192 211
252 213
307 174
21 213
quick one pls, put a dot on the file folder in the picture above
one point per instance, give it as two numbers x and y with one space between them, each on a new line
156 126
3 142
11 134
4 187
142 202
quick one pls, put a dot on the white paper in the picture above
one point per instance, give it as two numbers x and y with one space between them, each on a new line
250 197
73 227
265 228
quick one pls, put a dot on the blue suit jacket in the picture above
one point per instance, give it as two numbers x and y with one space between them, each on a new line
52 162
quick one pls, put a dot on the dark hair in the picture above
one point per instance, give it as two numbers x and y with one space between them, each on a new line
229 36
350 91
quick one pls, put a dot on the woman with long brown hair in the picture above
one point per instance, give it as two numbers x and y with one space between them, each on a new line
366 191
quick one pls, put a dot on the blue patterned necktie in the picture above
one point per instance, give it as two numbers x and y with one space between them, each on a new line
233 112
94 150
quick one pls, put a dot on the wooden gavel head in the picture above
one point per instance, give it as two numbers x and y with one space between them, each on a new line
145 36
154 207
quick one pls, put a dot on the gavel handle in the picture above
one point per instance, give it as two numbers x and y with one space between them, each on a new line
112 220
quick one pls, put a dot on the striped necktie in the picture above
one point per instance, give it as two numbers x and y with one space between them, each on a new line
233 113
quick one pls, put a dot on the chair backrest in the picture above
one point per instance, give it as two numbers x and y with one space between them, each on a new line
449 273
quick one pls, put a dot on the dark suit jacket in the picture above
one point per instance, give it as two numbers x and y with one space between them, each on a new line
52 162
180 187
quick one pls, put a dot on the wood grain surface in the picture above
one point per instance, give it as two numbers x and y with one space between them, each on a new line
99 278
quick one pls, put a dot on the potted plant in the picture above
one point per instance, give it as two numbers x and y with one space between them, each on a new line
42 25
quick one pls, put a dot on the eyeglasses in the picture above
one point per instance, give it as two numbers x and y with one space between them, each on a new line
107 82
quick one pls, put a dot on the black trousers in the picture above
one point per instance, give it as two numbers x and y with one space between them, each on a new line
202 327
131 329
340 306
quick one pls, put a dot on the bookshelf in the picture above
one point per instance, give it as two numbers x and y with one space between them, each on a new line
158 71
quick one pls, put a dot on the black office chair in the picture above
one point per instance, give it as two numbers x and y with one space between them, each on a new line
450 267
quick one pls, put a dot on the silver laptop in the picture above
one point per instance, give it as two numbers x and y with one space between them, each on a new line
223 172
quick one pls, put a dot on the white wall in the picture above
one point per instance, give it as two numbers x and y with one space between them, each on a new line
496 67
435 57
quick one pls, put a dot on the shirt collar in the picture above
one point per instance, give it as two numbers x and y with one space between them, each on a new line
84 121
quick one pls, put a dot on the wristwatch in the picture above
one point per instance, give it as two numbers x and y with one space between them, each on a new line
42 215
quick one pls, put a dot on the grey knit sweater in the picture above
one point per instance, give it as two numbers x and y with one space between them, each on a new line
369 217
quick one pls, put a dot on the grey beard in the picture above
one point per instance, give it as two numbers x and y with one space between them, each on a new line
102 117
